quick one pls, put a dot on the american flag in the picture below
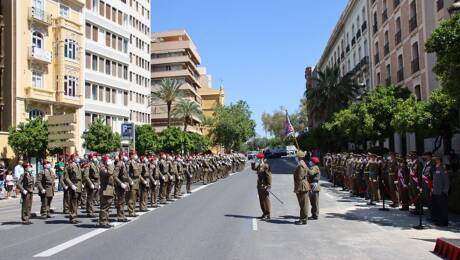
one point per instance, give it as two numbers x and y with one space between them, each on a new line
288 128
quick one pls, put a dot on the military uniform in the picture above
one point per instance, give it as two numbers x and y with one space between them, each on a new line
264 183
440 196
372 173
26 186
45 185
301 189
393 187
178 183
403 183
154 183
144 186
65 199
91 176
73 179
314 175
107 178
134 171
122 179
164 181
172 179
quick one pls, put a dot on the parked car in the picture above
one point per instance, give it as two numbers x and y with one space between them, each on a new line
251 155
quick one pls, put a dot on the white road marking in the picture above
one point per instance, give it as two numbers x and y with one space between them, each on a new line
70 243
254 224
117 225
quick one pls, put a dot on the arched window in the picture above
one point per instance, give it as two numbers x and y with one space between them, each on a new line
37 40
70 49
35 113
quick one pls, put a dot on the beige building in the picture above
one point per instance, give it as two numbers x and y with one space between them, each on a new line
174 56
43 73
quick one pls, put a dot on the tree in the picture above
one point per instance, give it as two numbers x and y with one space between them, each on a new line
410 116
146 140
100 138
171 140
187 109
196 142
274 123
331 93
168 93
232 126
444 118
444 41
29 139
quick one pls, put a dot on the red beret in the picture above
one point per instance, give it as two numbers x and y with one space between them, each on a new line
315 160
260 156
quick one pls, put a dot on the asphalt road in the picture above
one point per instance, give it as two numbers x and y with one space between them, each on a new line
218 221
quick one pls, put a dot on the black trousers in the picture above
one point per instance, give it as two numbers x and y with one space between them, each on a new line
440 209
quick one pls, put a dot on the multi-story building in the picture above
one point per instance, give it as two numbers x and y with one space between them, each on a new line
5 102
175 56
117 51
43 71
348 48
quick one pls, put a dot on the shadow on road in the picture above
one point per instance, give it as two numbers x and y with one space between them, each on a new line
11 223
57 221
282 165
240 216
279 221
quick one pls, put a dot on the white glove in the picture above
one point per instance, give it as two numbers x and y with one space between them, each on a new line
132 183
145 183
43 191
191 176
66 187
24 192
74 187
92 186
163 177
123 186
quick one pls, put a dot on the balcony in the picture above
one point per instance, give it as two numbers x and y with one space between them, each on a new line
358 34
385 15
40 16
386 49
413 23
388 81
348 49
377 59
353 41
40 55
69 100
400 75
398 38
40 94
364 26
415 65
396 3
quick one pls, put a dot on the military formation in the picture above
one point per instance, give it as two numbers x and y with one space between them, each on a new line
406 181
129 182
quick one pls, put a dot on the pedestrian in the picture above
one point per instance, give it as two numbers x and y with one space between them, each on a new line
302 187
314 175
3 172
9 184
264 183
26 186
439 195
18 172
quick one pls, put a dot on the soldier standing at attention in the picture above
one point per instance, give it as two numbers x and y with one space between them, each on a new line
172 177
302 187
45 185
134 172
440 199
154 181
144 186
26 186
73 179
65 188
392 168
189 170
91 174
314 175
164 181
107 190
122 180
427 179
264 183
372 172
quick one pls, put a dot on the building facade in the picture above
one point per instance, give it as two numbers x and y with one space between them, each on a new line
117 74
43 72
174 56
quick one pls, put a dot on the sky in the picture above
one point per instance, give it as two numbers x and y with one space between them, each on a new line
258 48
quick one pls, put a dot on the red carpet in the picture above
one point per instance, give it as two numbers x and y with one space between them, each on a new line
448 248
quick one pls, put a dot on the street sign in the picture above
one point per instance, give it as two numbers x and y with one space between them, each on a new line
127 131
61 130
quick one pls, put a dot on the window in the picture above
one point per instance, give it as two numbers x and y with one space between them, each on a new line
101 8
107 67
398 34
107 39
418 92
95 5
120 43
125 45
70 86
35 113
88 60
388 71
88 4
87 90
88 31
70 49
386 46
94 63
101 64
95 33
114 14
120 18
108 8
114 96
107 95
125 98
101 93
400 68
114 68
378 78
125 72
413 16
415 58
37 40
375 22
114 41
94 92
120 71
63 10
37 79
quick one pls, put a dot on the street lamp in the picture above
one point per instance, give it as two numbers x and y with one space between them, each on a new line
454 8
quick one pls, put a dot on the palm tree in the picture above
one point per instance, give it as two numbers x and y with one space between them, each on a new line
168 92
187 109
331 93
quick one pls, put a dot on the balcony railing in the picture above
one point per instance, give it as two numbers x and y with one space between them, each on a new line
398 37
39 54
384 15
353 41
396 3
386 49
377 59
358 34
415 65
388 81
364 26
40 16
400 75
413 23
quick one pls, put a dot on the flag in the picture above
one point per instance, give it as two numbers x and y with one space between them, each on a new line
288 128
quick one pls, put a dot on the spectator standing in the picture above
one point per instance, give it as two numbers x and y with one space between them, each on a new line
18 172
59 169
3 172
440 195
9 184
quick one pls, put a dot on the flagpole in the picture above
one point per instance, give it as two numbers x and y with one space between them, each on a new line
295 138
